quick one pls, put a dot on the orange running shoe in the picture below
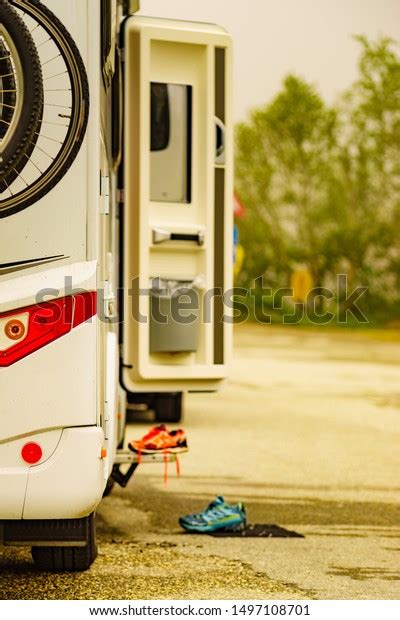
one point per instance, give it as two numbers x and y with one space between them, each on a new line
159 439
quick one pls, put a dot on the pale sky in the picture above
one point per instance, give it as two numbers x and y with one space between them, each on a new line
312 38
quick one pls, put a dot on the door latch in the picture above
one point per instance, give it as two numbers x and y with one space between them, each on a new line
110 305
160 236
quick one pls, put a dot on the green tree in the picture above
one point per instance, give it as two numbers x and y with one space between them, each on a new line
283 174
368 175
322 185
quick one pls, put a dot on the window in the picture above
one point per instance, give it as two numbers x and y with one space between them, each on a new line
160 128
170 142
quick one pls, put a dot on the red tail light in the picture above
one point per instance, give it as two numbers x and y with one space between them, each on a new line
36 326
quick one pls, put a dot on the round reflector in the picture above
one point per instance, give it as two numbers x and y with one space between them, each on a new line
14 329
31 453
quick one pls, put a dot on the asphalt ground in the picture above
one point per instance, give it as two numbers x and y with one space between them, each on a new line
306 433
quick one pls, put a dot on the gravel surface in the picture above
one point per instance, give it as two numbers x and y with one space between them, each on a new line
306 434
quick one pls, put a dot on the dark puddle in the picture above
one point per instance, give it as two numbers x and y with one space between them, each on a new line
257 530
164 508
364 573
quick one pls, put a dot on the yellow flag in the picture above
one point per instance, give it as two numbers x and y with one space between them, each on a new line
301 283
239 260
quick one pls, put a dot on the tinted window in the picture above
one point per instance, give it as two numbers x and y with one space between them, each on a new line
160 119
171 142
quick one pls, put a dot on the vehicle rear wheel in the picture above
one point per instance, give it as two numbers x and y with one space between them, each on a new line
68 559
168 407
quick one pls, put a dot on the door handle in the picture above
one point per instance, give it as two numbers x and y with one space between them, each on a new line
160 236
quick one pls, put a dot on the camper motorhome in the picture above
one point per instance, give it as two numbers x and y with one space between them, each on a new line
115 253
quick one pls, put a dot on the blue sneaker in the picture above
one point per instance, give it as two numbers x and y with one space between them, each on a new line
219 515
198 517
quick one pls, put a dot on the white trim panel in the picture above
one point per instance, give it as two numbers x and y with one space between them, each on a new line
70 484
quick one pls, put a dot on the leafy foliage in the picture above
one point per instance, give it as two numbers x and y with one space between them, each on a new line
321 185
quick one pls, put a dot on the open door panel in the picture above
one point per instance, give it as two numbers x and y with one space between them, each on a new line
178 169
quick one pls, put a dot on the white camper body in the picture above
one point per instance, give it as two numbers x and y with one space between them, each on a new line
139 218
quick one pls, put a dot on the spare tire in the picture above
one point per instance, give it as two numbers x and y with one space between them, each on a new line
21 95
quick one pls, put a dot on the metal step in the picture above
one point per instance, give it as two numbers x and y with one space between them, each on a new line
127 456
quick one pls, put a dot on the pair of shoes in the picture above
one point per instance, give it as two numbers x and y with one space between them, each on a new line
160 439
219 515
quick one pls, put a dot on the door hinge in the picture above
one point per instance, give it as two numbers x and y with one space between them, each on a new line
110 305
106 420
105 195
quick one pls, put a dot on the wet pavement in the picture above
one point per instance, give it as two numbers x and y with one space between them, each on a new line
306 434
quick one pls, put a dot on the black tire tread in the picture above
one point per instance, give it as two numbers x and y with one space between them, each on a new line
8 83
68 559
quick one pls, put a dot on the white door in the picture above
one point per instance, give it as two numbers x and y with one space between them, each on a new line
178 205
